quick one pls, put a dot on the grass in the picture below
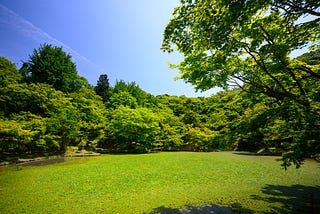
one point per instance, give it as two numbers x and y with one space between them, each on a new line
161 183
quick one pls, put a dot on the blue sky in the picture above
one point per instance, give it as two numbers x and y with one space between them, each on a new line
119 38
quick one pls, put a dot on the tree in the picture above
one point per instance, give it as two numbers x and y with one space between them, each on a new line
103 87
247 44
175 103
172 130
16 138
40 99
35 119
311 58
42 118
122 98
133 130
297 7
92 118
65 125
27 133
199 139
8 73
225 109
51 65
142 98
241 43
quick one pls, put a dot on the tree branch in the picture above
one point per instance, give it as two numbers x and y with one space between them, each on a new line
271 42
265 69
297 8
309 71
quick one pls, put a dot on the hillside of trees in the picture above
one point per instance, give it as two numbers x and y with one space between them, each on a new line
45 106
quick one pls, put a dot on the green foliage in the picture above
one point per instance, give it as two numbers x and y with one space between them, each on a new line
43 119
223 114
175 103
40 99
14 137
122 98
35 118
134 130
142 98
311 58
291 128
53 66
199 139
297 7
191 117
92 117
172 131
233 42
8 73
247 44
251 128
26 134
65 124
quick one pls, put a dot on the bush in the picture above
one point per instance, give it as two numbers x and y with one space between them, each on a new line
198 139
133 130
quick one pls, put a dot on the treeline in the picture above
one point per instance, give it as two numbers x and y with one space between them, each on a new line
45 106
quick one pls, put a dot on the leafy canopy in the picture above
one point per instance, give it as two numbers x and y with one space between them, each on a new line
245 44
8 73
134 130
51 65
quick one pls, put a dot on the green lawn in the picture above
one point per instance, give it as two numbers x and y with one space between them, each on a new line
161 183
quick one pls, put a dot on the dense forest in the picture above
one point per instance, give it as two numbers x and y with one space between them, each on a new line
270 100
42 113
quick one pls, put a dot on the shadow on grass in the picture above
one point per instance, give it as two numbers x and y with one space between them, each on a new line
247 153
279 199
291 199
256 154
215 208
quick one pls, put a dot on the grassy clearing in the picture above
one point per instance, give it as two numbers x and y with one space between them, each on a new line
160 182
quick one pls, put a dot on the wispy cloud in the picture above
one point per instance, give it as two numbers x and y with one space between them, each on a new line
25 27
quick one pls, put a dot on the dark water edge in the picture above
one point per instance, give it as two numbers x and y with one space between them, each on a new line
43 161
40 161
